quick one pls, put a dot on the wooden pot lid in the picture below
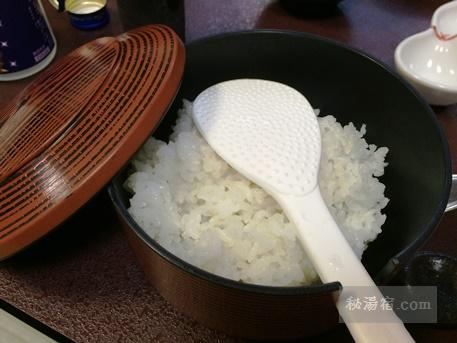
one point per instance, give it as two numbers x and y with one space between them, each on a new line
71 130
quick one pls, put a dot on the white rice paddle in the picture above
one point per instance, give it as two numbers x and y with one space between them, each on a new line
269 133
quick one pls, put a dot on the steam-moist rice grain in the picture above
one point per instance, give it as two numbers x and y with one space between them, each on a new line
203 211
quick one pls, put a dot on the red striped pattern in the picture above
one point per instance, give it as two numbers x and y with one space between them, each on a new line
72 129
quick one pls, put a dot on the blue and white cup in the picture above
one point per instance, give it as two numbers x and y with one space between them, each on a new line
27 43
83 14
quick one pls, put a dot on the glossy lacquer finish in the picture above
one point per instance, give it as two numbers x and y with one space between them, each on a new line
65 136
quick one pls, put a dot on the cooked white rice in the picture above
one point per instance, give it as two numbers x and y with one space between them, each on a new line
203 211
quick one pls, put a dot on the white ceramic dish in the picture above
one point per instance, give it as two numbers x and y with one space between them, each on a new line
428 60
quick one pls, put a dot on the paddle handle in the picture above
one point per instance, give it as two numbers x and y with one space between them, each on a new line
334 260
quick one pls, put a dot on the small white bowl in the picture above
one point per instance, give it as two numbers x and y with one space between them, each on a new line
428 60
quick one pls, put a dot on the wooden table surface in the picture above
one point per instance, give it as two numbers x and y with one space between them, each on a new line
83 280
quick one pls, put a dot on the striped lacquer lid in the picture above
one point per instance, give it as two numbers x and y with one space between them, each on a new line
67 134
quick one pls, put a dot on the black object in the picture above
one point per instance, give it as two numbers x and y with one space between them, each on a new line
311 8
432 269
135 13
353 87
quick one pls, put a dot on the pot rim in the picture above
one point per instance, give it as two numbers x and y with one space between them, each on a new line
115 195
391 267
